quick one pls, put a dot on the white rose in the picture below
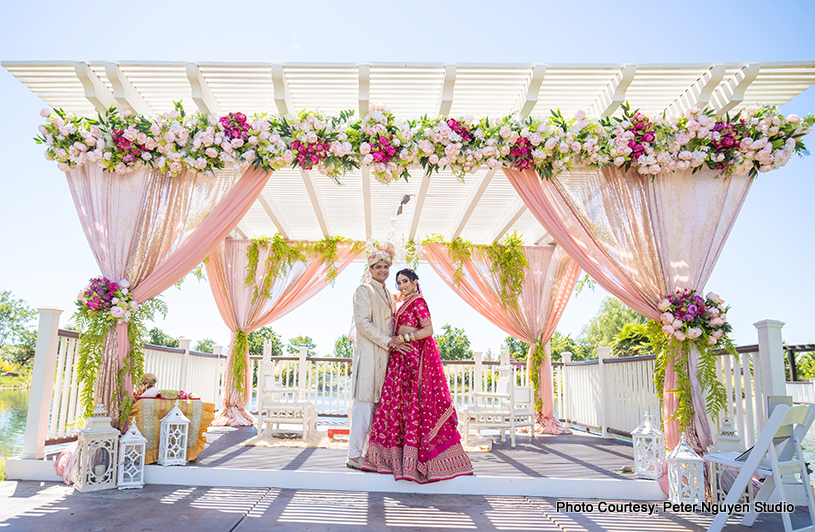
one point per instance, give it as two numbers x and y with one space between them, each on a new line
664 304
365 148
45 113
667 329
679 335
666 318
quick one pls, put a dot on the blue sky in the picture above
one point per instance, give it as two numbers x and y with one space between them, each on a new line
764 271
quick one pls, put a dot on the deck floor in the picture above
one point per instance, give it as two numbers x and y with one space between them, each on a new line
578 455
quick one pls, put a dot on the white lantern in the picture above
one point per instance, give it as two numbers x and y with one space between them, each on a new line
132 447
727 441
172 446
97 443
649 450
686 474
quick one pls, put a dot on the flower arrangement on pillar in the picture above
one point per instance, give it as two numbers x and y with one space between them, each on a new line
690 322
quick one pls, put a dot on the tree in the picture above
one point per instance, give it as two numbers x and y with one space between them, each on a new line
454 344
15 318
343 348
561 344
302 341
159 337
257 338
604 326
205 345
631 340
518 350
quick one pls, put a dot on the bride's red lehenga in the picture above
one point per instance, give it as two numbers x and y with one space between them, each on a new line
414 434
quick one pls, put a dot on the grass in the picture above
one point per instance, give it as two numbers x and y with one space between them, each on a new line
23 380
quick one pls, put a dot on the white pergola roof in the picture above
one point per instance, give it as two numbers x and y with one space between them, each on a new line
305 205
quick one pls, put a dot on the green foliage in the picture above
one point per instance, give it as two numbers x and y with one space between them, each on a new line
15 319
583 283
297 342
23 352
632 340
343 348
158 337
518 350
454 344
606 324
205 345
239 360
804 365
560 344
258 337
199 272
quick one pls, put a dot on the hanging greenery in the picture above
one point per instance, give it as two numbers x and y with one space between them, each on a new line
507 257
690 320
538 356
239 360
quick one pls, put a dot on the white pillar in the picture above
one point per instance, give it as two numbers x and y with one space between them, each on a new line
566 357
184 381
602 354
42 384
771 359
478 360
301 378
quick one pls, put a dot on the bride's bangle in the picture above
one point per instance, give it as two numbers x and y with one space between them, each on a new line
405 337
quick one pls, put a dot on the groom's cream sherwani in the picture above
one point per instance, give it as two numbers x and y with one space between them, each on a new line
373 319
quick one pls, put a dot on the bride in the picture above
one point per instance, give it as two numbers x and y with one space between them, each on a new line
414 434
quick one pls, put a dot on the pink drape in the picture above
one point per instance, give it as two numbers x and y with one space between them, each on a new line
641 238
152 229
227 271
548 283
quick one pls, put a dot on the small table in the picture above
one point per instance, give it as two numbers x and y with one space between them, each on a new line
148 412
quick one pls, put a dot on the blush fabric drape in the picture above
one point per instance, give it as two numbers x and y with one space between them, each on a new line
548 283
227 273
152 229
641 238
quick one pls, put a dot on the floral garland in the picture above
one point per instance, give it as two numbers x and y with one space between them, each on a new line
752 141
100 307
687 319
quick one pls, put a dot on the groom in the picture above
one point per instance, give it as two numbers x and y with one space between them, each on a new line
373 319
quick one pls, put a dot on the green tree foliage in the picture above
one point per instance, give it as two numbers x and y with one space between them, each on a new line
343 348
302 341
257 338
804 366
606 324
518 350
205 345
454 344
17 339
561 344
632 340
159 337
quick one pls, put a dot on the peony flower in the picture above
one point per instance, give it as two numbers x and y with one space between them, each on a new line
664 304
679 335
667 318
677 324
694 332
667 329
117 312
46 112
711 340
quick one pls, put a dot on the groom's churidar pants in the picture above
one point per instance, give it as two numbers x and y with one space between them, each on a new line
362 415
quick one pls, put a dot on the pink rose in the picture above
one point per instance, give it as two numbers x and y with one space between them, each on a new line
45 113
679 335
711 340
667 329
677 324
117 312
667 318
663 305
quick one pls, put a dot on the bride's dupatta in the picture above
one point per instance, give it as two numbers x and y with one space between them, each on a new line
414 434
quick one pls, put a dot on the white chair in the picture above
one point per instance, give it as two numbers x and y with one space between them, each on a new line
282 404
508 408
777 455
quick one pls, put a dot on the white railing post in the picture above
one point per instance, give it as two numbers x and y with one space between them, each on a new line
566 357
42 384
478 360
184 381
216 350
302 374
771 360
602 354
267 351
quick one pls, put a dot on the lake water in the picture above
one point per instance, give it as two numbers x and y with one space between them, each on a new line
13 411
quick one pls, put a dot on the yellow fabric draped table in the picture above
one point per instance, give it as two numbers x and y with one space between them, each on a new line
148 412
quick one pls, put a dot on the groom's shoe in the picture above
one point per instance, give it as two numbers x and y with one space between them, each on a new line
354 463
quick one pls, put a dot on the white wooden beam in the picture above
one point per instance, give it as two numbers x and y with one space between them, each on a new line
282 96
126 95
95 91
364 90
366 200
476 191
201 93
316 201
698 95
614 94
417 212
506 222
730 94
447 90
274 214
531 91
243 230
540 237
